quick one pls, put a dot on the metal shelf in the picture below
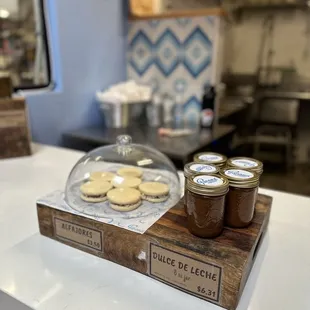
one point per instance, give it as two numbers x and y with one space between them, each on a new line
284 6
181 13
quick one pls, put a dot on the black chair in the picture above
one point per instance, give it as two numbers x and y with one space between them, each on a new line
276 125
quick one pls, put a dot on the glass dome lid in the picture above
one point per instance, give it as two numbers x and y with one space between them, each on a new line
123 180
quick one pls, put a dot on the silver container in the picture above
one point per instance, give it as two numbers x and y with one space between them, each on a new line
154 114
120 115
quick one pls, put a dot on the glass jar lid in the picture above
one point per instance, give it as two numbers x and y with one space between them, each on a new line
246 163
209 185
198 168
210 158
241 178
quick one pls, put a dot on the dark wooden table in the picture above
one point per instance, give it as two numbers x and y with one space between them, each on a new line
180 149
230 107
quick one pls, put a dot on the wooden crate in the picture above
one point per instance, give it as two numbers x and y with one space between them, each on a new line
14 130
6 87
212 269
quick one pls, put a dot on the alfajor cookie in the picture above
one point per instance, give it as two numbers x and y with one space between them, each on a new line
124 199
130 172
102 176
154 191
95 191
128 182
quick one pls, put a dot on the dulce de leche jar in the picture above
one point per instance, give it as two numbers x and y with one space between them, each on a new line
205 203
240 201
246 163
192 169
199 168
211 158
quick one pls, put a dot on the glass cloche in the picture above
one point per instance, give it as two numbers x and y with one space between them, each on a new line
123 180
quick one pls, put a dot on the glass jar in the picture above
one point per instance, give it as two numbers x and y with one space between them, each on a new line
240 201
205 203
246 163
211 158
192 169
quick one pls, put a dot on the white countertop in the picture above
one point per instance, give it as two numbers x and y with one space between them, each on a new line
48 275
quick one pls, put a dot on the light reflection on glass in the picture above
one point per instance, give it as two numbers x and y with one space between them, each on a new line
157 178
145 162
86 160
118 180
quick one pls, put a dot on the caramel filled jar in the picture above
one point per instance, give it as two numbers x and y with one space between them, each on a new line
205 204
211 158
193 168
246 163
240 201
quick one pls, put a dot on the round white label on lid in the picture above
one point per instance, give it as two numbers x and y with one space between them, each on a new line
202 168
208 180
239 174
211 158
244 163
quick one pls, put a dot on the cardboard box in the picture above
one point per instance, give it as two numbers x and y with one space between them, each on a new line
14 129
6 87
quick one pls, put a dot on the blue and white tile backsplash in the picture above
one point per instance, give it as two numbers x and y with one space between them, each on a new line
175 56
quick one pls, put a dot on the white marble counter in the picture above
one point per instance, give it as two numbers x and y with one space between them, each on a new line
47 275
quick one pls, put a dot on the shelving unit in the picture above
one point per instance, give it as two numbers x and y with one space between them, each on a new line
215 11
220 10
272 5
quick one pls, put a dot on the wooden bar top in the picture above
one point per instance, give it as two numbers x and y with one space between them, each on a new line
179 148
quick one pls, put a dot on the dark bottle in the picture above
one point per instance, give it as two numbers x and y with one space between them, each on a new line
207 107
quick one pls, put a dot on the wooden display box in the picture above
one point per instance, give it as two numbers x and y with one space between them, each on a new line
212 269
14 130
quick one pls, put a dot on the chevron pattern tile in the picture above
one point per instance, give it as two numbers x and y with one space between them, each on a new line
174 56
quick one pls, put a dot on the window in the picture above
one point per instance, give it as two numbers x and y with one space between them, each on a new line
23 43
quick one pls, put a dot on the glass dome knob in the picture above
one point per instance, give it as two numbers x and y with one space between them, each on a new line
123 140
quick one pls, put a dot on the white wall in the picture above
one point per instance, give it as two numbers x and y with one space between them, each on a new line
88 41
291 42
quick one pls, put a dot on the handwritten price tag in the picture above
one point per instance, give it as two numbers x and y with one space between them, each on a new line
186 273
206 291
90 238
